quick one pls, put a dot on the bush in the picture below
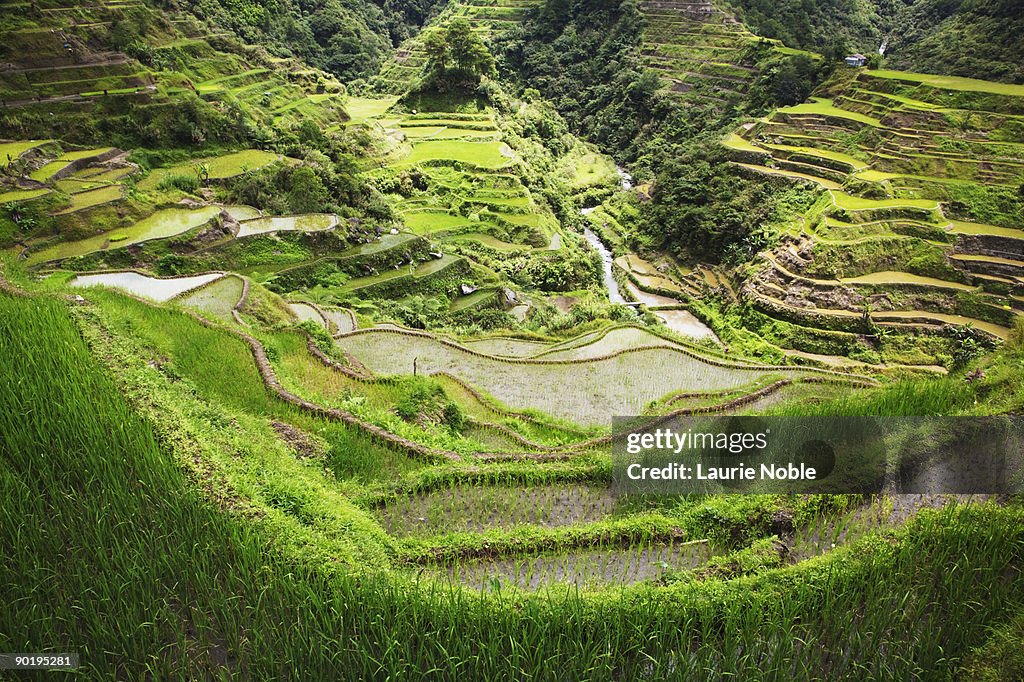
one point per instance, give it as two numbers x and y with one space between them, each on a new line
180 181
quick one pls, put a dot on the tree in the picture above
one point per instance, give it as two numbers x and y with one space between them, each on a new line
455 55
307 193
436 45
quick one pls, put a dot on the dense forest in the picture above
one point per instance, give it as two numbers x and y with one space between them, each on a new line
348 39
972 38
586 59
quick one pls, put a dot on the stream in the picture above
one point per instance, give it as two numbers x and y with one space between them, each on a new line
680 321
614 295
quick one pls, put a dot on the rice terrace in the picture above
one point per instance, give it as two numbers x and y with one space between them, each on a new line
327 328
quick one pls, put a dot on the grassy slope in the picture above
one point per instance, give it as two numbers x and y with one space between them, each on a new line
199 577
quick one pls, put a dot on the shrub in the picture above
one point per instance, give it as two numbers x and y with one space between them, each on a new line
181 181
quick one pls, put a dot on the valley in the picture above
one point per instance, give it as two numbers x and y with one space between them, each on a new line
312 334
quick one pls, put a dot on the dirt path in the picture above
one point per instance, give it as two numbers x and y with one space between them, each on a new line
69 98
115 59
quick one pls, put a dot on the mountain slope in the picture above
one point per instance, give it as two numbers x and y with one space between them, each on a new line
971 38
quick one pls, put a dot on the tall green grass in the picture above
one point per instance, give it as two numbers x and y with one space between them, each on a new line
220 367
110 551
922 397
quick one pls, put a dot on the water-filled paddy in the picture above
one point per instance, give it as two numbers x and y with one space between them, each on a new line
154 288
164 223
581 568
303 223
477 508
218 299
686 323
587 392
423 270
343 319
306 313
509 347
612 342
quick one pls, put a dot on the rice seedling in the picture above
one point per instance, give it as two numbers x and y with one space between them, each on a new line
580 569
477 508
218 299
597 389
286 548
94 197
216 167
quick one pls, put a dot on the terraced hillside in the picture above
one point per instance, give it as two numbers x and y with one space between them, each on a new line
291 430
299 383
915 170
487 17
702 51
62 62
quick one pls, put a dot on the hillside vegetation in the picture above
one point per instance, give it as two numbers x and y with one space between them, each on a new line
314 318
971 38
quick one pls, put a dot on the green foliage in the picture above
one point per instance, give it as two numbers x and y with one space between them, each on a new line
350 40
1000 658
317 186
583 58
417 311
586 59
786 80
562 270
182 182
831 27
955 37
457 58
961 38
424 400
702 207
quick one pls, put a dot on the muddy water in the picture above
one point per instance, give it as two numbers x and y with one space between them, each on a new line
147 287
685 323
476 509
580 568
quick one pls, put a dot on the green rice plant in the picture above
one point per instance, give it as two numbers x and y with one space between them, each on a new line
155 570
480 154
94 197
480 507
185 182
234 382
217 299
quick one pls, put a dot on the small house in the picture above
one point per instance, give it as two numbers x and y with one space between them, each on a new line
856 60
